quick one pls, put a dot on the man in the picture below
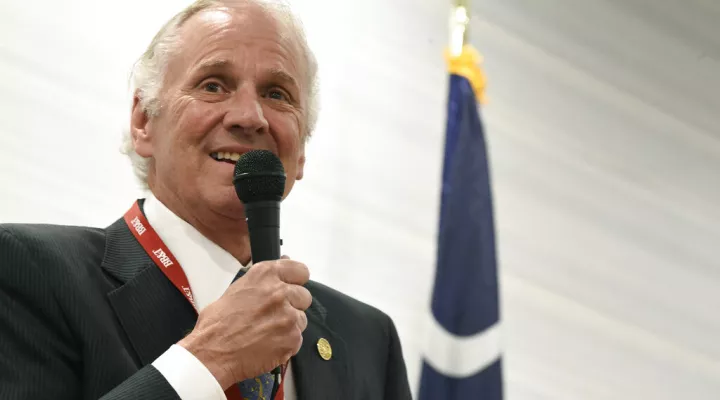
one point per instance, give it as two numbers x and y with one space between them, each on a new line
103 313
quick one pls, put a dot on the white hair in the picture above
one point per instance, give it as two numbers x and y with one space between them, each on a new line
149 70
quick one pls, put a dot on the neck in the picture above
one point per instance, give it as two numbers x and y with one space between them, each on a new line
230 234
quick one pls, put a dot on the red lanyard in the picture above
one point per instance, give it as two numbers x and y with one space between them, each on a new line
169 265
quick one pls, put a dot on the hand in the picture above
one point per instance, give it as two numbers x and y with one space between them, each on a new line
256 325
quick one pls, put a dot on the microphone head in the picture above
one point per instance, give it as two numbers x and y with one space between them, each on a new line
259 176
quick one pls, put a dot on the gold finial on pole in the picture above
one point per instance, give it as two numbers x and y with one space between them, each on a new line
459 20
462 58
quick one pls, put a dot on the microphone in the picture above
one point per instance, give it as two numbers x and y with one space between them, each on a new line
259 182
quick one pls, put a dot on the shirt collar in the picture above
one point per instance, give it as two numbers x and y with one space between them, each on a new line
210 269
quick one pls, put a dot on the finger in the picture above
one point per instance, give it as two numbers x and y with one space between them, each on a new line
298 345
302 321
299 297
285 257
293 272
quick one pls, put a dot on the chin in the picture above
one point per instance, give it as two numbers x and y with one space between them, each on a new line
225 201
288 188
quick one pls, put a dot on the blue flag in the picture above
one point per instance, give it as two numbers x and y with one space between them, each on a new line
462 358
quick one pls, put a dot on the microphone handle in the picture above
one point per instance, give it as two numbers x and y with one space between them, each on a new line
263 220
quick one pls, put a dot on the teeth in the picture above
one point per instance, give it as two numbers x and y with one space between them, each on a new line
223 155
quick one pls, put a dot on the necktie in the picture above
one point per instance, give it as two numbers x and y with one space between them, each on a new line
259 388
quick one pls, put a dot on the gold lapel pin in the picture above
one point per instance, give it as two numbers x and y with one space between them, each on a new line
324 349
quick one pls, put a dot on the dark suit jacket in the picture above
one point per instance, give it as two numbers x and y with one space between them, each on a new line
84 312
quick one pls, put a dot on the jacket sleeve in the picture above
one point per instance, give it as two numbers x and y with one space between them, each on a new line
148 383
39 357
396 380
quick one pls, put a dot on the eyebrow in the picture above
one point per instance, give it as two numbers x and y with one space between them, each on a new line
283 77
276 74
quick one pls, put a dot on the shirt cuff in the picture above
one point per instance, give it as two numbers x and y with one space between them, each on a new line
187 375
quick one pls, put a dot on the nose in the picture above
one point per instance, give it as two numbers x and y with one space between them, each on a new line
245 114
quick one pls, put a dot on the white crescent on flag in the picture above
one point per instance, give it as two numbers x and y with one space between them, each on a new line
460 356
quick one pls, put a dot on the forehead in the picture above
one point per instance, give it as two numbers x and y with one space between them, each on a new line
242 34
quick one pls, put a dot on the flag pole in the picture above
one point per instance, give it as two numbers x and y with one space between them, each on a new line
462 58
459 20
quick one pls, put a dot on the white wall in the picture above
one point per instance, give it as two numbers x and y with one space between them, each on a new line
605 149
605 140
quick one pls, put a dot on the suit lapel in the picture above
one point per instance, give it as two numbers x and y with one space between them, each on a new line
153 313
315 377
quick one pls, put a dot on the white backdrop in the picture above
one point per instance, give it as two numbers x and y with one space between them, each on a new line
604 138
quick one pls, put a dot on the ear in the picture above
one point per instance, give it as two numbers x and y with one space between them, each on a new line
301 163
138 128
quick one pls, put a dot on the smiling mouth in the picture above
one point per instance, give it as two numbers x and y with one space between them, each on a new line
230 158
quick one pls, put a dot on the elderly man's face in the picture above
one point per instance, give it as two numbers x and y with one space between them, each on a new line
237 83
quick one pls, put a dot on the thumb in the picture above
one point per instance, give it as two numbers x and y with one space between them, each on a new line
284 257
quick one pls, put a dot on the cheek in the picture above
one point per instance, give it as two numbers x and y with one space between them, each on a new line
286 132
194 120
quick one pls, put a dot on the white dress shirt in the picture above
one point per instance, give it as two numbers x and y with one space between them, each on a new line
210 271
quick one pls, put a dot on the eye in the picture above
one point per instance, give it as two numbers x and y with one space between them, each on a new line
212 87
277 94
